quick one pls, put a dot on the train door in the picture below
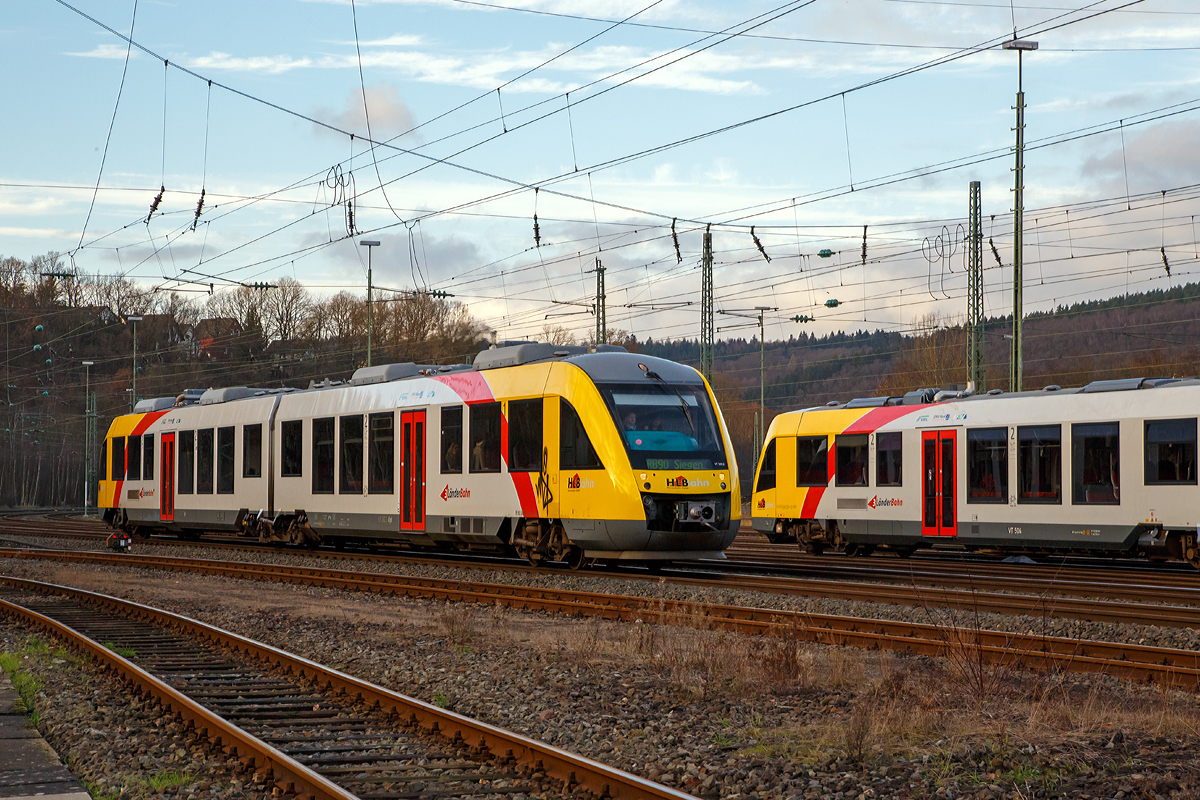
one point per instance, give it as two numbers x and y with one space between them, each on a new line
938 470
166 478
412 470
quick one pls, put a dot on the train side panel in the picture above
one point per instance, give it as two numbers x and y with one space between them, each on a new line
1110 471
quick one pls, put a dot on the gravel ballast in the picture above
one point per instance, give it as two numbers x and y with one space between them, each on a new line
716 715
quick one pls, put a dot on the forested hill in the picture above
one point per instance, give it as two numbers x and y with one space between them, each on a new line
53 326
1150 334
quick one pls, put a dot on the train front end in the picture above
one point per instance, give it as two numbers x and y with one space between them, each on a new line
671 485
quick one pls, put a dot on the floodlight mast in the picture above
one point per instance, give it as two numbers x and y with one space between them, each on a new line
1016 371
370 244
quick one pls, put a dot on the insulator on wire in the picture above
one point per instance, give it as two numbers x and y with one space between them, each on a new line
537 233
864 252
1166 264
675 238
199 208
157 200
995 253
759 244
350 216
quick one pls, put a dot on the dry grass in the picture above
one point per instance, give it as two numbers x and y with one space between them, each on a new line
459 622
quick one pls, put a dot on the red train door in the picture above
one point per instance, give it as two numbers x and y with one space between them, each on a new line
166 478
412 470
938 470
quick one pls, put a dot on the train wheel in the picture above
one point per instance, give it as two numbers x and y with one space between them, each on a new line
576 560
855 550
904 552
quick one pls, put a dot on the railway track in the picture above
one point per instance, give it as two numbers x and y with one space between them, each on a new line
315 732
1168 599
1162 665
751 553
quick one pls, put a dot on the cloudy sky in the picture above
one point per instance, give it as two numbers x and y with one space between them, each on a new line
612 121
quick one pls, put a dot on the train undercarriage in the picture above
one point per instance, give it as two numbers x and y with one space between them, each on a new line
1150 542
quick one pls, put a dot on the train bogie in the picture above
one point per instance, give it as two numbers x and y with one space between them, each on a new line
522 452
1106 469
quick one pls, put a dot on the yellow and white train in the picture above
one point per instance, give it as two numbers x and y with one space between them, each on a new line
1107 469
556 453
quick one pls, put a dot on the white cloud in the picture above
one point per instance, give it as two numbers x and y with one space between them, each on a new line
106 51
398 40
1155 158
269 64
390 116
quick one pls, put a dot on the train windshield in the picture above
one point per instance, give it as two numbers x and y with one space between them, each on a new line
666 426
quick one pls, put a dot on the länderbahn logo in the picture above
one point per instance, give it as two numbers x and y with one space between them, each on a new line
887 502
455 494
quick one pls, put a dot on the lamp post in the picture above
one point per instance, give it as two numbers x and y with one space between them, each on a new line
133 397
1015 367
760 429
87 435
370 244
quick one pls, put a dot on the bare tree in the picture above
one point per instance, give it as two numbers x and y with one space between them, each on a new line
934 355
243 304
557 334
285 308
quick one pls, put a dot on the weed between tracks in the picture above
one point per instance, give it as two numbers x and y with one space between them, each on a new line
26 685
861 706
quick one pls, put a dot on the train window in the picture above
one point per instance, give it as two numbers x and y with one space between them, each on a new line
148 457
104 460
525 435
575 449
766 472
118 458
133 458
225 455
350 479
187 461
888 459
252 451
987 465
452 440
291 464
1096 464
485 437
1170 451
381 454
812 461
322 455
1039 464
204 461
851 459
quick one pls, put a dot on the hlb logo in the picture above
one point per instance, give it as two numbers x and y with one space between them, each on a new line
683 483
762 503
577 482
455 494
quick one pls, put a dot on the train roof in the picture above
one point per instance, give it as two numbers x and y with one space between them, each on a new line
929 396
603 363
